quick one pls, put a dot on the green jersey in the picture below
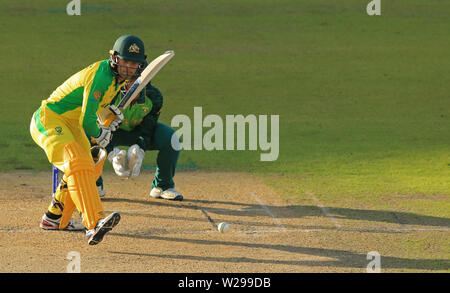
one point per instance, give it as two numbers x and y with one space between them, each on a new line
141 117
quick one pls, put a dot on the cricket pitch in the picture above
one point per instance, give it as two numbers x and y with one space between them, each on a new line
267 234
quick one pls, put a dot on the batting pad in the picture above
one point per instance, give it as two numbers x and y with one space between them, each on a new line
79 170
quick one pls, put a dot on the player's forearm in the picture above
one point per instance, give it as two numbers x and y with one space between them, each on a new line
90 127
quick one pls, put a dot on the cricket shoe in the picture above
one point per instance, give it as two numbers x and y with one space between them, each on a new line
105 225
170 194
50 224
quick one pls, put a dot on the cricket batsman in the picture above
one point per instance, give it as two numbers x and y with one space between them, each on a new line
61 127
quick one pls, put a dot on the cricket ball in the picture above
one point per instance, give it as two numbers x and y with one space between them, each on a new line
223 227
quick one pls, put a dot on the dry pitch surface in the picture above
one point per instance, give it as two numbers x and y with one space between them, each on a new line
267 233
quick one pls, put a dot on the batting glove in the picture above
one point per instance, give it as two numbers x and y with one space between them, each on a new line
118 118
104 137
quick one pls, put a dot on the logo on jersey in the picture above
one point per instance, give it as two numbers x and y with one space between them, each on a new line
59 130
134 49
97 95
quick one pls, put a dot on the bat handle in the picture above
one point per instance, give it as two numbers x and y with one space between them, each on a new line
106 123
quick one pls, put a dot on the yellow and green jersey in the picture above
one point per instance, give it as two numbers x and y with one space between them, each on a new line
85 93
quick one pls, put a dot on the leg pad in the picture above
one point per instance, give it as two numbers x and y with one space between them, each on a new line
79 169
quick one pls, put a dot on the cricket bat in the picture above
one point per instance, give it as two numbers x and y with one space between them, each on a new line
106 116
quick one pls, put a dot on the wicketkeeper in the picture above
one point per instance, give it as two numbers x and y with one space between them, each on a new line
60 127
141 131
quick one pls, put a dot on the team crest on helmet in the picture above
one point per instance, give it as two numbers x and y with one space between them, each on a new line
134 49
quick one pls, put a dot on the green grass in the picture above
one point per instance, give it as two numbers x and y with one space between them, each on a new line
363 101
358 97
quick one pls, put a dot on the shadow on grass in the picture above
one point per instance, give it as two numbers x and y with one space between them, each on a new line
333 257
339 258
298 211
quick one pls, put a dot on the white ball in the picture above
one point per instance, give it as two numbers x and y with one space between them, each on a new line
223 227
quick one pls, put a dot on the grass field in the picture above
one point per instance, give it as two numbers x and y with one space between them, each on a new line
363 100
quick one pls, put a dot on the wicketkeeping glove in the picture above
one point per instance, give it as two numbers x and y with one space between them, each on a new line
135 157
118 159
